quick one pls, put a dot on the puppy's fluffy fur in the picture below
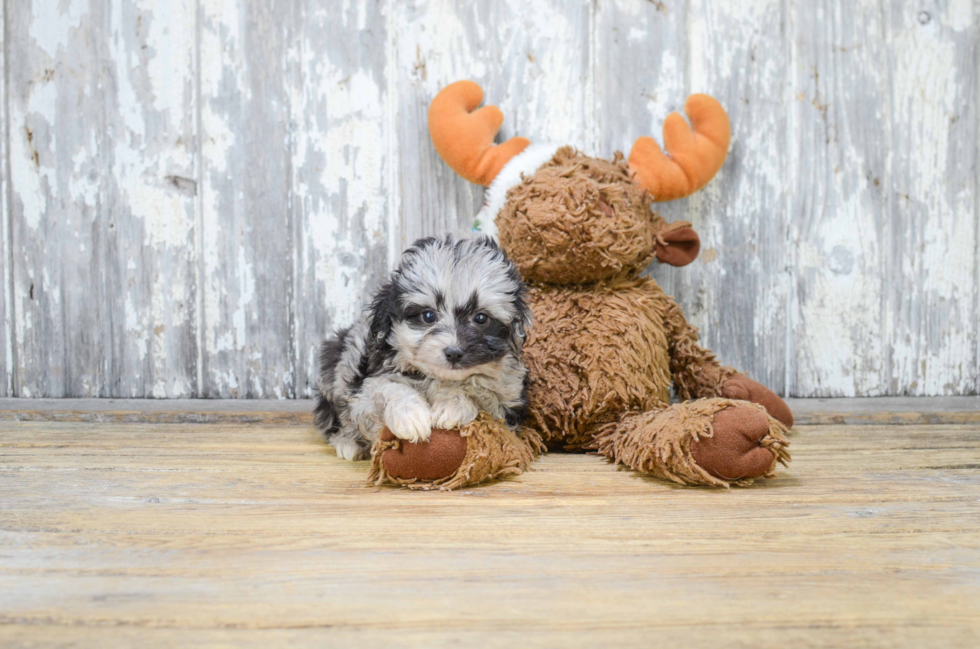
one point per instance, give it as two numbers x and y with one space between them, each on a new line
441 340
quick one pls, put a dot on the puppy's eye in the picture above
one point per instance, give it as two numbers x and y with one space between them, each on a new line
480 318
428 317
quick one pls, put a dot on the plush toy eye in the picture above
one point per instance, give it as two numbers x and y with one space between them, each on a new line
480 318
428 317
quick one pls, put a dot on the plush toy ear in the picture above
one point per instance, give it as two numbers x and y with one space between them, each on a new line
678 246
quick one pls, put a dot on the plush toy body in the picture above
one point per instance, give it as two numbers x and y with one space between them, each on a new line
607 343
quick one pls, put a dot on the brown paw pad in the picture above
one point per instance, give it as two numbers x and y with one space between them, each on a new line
744 388
733 451
431 460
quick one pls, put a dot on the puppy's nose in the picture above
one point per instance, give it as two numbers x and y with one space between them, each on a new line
453 354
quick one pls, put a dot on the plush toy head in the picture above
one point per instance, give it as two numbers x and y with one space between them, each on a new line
581 219
564 217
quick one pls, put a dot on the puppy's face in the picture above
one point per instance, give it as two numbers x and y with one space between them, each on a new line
454 307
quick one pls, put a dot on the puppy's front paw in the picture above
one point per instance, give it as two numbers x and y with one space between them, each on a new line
453 412
409 419
348 449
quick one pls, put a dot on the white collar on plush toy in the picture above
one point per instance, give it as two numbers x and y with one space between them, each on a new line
526 162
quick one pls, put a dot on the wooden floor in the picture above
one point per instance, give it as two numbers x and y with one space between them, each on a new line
118 533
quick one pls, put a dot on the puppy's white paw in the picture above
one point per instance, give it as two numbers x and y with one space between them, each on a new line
348 449
453 412
409 419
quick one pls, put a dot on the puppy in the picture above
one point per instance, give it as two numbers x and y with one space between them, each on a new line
441 341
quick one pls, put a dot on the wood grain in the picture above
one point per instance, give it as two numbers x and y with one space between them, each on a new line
246 248
149 200
101 105
343 198
933 52
840 106
257 535
56 175
196 192
738 50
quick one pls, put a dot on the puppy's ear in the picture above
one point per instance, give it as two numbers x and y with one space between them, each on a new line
418 246
522 321
382 312
486 241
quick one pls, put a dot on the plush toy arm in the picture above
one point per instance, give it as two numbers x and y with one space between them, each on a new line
697 373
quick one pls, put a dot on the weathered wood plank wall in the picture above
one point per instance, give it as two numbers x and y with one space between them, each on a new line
194 192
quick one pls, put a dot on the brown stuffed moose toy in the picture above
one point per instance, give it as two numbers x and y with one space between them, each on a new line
607 344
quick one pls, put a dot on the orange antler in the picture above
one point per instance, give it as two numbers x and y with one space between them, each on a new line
464 137
693 156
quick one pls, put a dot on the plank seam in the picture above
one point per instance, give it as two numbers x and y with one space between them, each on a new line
199 204
591 94
393 179
789 358
106 204
292 225
7 225
888 301
295 207
976 211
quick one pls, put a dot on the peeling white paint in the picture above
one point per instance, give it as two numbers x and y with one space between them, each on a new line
28 177
223 238
54 22
928 97
960 15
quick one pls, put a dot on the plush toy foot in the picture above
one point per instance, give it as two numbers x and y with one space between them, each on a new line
716 442
737 448
484 449
742 387
435 459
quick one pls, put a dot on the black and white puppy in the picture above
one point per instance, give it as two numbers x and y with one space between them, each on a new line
441 341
